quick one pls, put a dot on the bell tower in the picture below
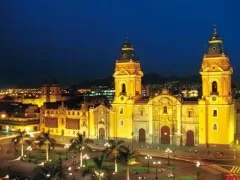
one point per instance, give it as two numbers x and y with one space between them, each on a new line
216 107
128 86
128 74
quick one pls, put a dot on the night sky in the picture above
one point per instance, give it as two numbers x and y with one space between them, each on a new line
77 40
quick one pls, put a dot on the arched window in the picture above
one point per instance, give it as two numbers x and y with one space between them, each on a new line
123 88
165 109
214 87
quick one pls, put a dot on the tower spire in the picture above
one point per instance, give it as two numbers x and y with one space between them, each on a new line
215 30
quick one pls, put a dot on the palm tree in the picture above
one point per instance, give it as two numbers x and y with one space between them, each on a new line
98 170
21 138
130 158
115 147
53 173
79 143
45 139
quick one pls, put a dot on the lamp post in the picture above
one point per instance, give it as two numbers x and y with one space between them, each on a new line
70 171
234 153
107 145
148 157
29 148
168 151
85 157
156 163
198 172
100 174
66 147
132 140
174 166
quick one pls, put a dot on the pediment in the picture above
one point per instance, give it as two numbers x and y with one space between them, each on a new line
122 71
213 68
164 99
101 107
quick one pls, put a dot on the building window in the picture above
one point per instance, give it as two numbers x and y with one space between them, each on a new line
62 121
165 109
121 110
215 127
190 113
141 112
215 113
121 123
73 113
84 113
214 87
56 112
123 88
68 112
84 134
78 113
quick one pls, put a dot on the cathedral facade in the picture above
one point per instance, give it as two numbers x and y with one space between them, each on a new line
162 119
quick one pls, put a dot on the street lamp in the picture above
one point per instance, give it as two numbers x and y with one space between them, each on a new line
70 171
156 163
168 151
107 145
99 174
234 153
198 173
148 157
85 157
66 147
29 148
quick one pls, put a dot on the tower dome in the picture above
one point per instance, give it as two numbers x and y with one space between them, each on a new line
127 51
215 44
45 88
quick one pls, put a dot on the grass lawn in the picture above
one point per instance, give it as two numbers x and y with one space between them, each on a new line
121 168
180 178
39 155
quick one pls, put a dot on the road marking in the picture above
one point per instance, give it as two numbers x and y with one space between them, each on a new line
212 171
235 169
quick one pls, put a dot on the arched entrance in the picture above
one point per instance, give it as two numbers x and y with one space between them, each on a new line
165 135
190 138
142 135
101 133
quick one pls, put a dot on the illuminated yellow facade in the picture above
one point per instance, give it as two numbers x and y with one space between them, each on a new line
216 107
163 119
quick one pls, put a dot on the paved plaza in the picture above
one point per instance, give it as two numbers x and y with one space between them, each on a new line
183 158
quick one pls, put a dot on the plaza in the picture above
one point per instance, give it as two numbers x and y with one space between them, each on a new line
179 163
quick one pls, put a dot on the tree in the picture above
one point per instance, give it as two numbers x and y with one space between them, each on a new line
53 173
45 139
98 170
21 138
115 147
79 143
130 158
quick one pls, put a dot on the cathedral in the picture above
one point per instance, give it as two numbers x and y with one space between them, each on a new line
209 121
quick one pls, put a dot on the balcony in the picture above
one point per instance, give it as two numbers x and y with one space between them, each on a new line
214 93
